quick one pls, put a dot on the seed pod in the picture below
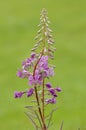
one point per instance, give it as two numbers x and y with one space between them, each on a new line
33 49
46 24
50 30
46 33
51 50
37 37
39 32
49 36
36 45
40 40
39 24
49 42
54 48
44 20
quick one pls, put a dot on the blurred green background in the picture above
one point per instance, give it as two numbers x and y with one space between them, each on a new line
18 26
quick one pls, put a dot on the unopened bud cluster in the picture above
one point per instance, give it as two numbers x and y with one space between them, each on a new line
44 38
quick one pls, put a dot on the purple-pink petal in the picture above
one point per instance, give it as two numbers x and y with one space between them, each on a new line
18 94
58 89
33 55
30 92
52 92
37 79
48 85
51 100
20 74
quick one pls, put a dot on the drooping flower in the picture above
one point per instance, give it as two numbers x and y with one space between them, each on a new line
20 74
58 89
23 73
52 92
30 92
51 100
18 94
48 85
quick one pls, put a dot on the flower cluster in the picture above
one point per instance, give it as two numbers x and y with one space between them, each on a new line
43 70
20 94
53 92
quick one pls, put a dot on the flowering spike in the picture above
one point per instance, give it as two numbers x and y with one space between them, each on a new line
36 69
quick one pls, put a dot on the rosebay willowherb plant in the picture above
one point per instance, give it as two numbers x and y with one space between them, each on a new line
38 70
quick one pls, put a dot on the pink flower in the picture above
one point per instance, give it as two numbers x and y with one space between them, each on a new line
51 100
30 92
18 94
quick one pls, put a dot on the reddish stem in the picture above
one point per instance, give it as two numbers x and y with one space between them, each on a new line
38 103
44 126
37 98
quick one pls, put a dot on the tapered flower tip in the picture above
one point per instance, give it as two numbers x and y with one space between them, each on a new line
44 11
58 89
18 94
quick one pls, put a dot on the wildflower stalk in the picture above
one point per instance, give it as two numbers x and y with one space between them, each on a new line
36 69
41 112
